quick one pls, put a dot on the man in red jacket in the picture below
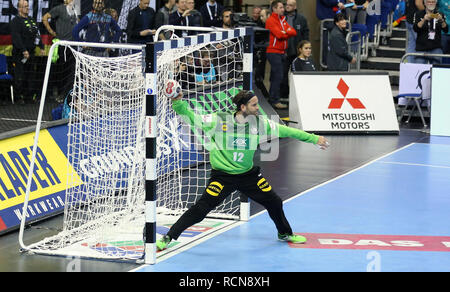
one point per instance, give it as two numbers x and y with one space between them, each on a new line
280 31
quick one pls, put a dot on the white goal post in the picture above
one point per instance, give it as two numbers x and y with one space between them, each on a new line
132 162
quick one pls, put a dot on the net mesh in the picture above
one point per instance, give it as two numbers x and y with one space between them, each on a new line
209 75
104 212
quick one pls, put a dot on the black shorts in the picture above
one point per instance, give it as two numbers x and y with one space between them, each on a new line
251 184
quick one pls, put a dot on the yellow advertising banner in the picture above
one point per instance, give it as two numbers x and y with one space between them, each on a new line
49 175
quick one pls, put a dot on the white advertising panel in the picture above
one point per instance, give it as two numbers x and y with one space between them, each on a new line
440 102
342 103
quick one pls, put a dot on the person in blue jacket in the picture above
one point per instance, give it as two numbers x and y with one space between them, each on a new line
205 72
98 26
326 9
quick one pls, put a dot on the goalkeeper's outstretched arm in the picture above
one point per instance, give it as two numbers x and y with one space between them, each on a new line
285 131
208 122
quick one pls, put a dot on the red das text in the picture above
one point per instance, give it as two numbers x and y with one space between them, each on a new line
375 242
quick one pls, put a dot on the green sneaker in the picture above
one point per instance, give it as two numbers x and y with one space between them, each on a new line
294 238
163 242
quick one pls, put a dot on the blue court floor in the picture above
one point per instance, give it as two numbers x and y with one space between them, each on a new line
391 214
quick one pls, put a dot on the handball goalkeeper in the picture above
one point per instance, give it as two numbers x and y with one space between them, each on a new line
233 140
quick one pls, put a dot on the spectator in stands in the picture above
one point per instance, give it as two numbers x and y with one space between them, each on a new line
226 18
357 12
123 37
280 32
226 60
182 17
338 55
444 7
25 38
211 12
205 72
303 62
162 17
187 72
197 18
298 21
412 6
259 54
98 26
265 13
64 17
141 23
326 9
256 15
113 13
429 25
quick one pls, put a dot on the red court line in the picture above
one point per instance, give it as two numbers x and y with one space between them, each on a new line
375 242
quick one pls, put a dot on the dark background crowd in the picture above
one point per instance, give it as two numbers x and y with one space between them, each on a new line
288 47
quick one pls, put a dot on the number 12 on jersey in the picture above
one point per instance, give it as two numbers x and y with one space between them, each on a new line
238 156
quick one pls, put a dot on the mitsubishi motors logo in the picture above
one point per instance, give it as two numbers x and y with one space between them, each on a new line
336 103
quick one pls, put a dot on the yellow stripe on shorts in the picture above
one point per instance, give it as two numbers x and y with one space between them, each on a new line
214 188
264 185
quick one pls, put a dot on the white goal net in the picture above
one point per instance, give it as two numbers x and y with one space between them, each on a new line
104 212
209 75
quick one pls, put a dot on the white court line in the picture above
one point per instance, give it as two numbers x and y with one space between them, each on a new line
238 223
414 164
20 120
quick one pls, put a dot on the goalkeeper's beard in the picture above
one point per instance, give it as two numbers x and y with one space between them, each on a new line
250 113
246 114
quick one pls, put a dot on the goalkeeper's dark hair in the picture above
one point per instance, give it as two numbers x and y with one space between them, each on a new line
242 98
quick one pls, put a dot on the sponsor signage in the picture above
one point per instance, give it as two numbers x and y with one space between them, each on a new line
342 103
440 103
375 242
48 184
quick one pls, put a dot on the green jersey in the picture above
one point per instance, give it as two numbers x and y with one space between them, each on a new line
232 145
